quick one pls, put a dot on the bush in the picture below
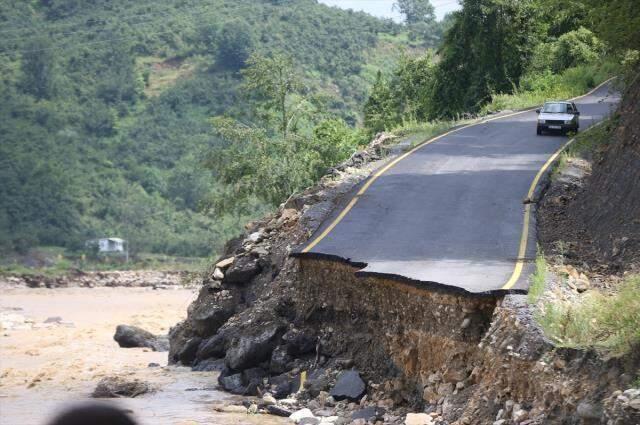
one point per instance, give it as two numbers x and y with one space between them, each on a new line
607 322
575 48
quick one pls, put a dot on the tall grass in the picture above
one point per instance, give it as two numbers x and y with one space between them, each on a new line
538 279
598 320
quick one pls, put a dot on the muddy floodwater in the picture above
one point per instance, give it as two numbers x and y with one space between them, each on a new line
45 367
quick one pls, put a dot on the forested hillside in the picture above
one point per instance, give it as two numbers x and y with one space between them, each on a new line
105 115
172 123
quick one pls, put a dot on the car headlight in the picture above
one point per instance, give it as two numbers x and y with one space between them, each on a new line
541 121
567 121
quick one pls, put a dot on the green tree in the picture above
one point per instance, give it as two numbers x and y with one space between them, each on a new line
486 51
576 48
274 81
39 69
379 110
235 43
416 11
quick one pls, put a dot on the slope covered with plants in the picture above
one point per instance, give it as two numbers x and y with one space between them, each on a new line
105 119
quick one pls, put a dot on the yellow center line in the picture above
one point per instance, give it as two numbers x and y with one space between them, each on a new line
527 211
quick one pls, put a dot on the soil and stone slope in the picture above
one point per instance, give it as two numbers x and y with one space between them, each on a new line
272 324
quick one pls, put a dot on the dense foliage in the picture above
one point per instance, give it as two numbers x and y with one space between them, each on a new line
501 47
105 120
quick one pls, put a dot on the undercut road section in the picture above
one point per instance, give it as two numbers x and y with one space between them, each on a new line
450 214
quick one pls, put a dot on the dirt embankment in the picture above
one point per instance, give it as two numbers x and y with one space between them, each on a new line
595 221
267 318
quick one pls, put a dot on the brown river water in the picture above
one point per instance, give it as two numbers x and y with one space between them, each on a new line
45 368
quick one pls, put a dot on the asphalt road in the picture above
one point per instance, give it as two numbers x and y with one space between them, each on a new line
450 213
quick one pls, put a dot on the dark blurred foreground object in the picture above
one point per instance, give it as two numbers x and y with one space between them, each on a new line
93 414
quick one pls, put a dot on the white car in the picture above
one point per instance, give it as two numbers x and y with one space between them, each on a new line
560 116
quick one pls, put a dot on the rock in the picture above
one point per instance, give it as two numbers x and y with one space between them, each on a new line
232 408
369 414
223 264
188 352
253 379
153 365
232 383
268 399
465 323
132 336
255 237
280 358
278 411
299 343
218 274
281 386
243 270
252 409
115 386
317 382
519 415
209 365
211 310
301 414
55 319
211 348
329 420
586 410
251 350
323 412
445 389
418 419
349 386
309 421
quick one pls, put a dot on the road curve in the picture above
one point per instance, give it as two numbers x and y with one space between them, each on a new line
450 213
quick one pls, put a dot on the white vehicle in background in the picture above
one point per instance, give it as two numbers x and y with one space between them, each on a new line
559 116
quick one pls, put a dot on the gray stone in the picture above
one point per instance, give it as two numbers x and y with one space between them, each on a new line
369 414
211 348
251 350
188 352
586 410
278 411
132 336
243 270
115 387
349 386
232 383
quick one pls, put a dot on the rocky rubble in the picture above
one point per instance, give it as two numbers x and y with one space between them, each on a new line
133 278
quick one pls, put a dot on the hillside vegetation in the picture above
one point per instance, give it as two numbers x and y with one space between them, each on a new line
105 119
173 123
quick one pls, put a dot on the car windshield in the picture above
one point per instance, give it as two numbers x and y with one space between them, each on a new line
555 108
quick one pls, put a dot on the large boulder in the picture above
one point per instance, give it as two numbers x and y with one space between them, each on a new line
187 354
349 386
251 350
232 383
132 336
243 270
211 348
211 310
115 386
